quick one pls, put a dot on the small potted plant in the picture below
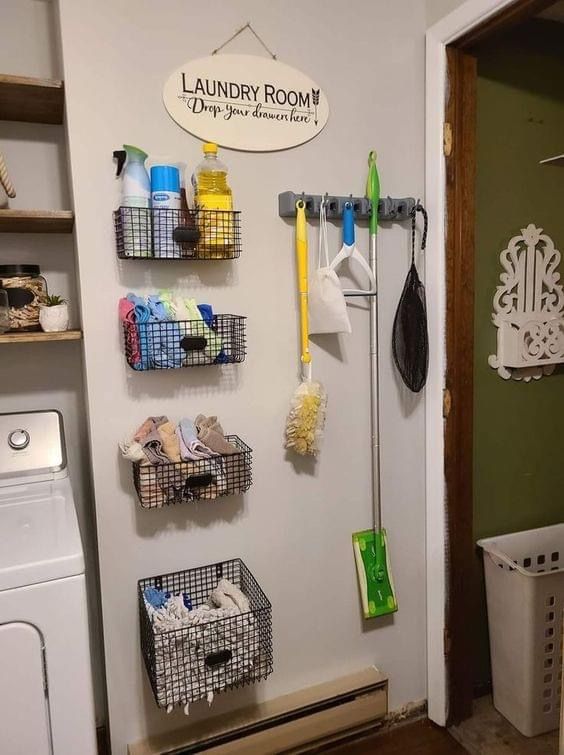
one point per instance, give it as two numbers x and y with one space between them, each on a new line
54 314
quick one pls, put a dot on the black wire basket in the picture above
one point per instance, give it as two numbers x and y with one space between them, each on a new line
187 664
171 344
160 485
166 234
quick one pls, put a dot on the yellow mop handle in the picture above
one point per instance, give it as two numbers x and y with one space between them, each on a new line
301 257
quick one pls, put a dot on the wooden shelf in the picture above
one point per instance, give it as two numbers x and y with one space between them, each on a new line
36 221
40 337
32 100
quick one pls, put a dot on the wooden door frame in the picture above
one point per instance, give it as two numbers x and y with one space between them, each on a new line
451 98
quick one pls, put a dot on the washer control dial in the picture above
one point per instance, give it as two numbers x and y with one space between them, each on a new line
18 439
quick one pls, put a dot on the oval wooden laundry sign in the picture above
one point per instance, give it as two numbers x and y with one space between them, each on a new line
246 102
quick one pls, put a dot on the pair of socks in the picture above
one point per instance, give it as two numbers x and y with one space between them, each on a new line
211 433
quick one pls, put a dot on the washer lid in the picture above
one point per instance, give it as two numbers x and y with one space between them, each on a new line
39 535
31 444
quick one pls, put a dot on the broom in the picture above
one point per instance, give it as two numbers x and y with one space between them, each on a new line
306 419
371 546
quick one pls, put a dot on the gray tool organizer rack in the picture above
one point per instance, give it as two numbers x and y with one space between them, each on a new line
389 209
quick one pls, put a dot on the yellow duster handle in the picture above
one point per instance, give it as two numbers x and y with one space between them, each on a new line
301 258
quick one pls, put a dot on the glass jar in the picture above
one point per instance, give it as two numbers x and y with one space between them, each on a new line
4 311
27 290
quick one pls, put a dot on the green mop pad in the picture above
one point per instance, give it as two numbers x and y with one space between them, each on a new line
374 573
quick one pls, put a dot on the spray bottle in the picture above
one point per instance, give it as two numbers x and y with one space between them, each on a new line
135 201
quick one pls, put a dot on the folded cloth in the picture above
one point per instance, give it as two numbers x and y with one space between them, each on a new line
207 314
227 595
157 308
165 345
191 448
169 303
126 311
199 327
170 443
180 310
210 432
133 451
142 315
149 424
153 448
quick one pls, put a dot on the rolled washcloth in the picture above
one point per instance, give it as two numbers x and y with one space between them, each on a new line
127 316
191 447
151 441
140 316
211 433
171 444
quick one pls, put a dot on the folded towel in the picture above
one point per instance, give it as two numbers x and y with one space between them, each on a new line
169 303
210 432
150 423
228 596
153 448
214 345
191 448
142 315
126 310
157 308
133 451
171 446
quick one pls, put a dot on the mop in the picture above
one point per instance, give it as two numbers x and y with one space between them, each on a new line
371 546
306 419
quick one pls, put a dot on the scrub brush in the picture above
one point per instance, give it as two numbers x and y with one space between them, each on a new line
306 419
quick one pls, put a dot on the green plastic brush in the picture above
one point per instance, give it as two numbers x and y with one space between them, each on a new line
371 546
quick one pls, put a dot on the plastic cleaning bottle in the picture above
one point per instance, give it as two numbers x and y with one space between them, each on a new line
166 202
135 201
215 204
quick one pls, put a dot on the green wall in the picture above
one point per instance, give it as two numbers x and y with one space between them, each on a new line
518 427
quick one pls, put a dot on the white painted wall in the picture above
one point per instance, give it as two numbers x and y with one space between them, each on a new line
437 9
46 376
294 526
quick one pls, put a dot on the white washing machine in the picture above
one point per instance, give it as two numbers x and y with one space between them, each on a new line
46 700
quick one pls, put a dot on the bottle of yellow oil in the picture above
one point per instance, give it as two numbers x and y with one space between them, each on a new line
215 205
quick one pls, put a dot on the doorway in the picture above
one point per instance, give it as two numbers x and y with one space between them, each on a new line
462 51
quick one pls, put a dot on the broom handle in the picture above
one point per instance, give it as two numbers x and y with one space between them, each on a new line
373 193
301 258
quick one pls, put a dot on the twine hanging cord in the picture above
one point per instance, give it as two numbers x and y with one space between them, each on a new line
240 31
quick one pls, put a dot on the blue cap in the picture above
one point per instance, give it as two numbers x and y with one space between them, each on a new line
165 178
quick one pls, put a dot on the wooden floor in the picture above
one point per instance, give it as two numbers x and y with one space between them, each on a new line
420 738
489 733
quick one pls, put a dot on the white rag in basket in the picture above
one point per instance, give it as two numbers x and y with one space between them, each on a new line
223 623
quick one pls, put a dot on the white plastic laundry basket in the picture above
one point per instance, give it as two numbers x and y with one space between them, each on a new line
525 595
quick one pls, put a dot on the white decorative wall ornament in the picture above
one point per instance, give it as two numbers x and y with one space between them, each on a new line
529 308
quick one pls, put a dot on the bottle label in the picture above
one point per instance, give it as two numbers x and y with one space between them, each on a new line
216 228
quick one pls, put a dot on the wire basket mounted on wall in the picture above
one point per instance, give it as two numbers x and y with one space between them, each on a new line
171 344
187 664
201 480
167 234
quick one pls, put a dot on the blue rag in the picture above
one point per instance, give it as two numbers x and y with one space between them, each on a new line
157 307
155 597
207 316
159 342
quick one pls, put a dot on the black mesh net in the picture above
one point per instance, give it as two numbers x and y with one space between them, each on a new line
410 340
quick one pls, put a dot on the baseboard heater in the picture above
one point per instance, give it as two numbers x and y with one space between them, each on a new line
298 722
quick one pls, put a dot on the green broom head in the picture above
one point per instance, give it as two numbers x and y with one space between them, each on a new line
374 573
